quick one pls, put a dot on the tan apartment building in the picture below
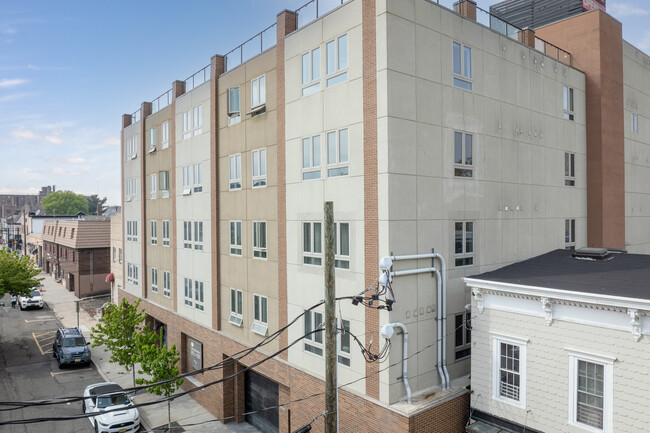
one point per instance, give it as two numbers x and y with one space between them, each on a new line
428 130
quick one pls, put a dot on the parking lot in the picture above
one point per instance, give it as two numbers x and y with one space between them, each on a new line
32 373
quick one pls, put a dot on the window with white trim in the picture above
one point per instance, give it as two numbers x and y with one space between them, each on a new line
463 334
198 295
132 231
154 280
197 120
154 232
462 65
570 234
187 294
344 343
187 180
509 370
131 189
167 284
311 72
235 238
153 185
634 123
569 169
463 155
567 103
164 135
259 168
187 234
165 233
464 243
236 307
198 177
313 342
311 158
164 183
342 245
312 249
337 153
152 139
132 147
132 273
235 172
336 60
590 391
234 111
260 315
259 239
198 235
187 124
258 91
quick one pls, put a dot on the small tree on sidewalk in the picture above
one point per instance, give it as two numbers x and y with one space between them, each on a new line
121 329
17 274
160 363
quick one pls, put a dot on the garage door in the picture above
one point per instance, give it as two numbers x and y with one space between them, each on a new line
261 393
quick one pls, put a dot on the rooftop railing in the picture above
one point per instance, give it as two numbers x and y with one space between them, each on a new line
314 9
162 101
198 78
259 43
552 51
135 117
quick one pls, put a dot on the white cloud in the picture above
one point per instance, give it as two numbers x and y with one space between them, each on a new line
28 135
76 160
620 10
62 172
8 31
13 97
6 82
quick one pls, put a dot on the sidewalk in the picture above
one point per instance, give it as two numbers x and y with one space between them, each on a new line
184 410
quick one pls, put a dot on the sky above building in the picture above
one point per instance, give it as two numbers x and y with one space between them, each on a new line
69 70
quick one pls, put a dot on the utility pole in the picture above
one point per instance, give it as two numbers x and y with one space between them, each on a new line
330 323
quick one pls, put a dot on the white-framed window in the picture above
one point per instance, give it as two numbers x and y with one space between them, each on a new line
165 233
311 158
344 343
634 122
570 234
187 180
337 153
463 155
509 370
234 111
259 168
197 120
235 172
187 294
154 232
164 183
132 231
127 190
569 169
153 184
259 239
567 103
152 139
198 235
187 234
260 315
311 72
312 248
313 343
164 135
120 255
258 91
591 391
187 124
132 147
236 307
129 273
464 243
235 238
336 60
342 245
114 254
167 284
132 274
463 335
462 65
198 177
198 295
131 189
154 280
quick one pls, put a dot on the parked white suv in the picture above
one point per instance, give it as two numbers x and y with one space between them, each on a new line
35 299
109 396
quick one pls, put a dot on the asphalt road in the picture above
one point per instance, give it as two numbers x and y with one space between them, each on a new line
28 371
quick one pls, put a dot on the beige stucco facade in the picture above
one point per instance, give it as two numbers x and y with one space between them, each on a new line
116 256
132 204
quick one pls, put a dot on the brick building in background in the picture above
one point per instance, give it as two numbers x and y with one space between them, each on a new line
428 130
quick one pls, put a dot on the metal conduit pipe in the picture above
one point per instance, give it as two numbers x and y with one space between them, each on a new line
387 332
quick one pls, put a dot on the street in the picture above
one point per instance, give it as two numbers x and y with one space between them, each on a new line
30 372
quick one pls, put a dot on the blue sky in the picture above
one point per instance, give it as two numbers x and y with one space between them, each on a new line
70 69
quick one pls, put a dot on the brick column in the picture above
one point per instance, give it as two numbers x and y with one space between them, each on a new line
286 23
370 191
145 110
178 88
466 8
217 67
527 36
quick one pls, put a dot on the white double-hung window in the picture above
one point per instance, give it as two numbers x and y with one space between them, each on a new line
464 243
154 232
258 91
154 280
311 158
165 233
236 307
152 139
463 155
462 65
312 250
187 124
153 185
259 168
260 315
234 110
187 234
342 245
235 172
509 369
198 235
311 72
197 120
567 103
198 295
313 332
164 135
337 153
187 179
259 239
166 284
337 60
235 238
198 177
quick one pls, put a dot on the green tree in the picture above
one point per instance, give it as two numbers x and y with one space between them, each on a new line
17 274
93 201
160 363
64 203
123 333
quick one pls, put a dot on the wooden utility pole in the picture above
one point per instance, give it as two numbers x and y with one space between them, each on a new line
330 322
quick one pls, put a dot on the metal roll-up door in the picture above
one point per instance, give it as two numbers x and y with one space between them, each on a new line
260 393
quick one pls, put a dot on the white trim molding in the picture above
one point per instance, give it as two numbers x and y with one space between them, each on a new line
635 321
478 297
519 370
548 310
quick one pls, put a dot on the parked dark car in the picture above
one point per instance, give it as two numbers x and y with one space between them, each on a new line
70 347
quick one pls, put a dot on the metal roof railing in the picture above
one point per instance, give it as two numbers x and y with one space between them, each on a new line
161 102
314 9
255 45
198 78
